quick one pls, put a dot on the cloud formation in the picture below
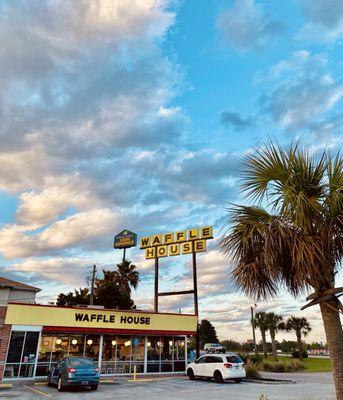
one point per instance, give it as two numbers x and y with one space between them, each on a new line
235 120
247 26
324 20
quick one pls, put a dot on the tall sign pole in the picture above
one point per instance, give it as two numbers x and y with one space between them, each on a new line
124 240
196 305
173 244
156 286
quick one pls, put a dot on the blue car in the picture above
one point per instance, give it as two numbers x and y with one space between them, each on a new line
74 372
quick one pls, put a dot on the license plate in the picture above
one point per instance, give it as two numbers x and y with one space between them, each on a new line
237 367
84 382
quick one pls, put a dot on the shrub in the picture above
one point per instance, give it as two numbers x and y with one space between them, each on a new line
279 366
274 366
294 365
256 358
251 370
296 354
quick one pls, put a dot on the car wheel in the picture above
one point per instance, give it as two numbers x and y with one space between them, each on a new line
190 374
94 387
207 351
218 377
238 380
60 386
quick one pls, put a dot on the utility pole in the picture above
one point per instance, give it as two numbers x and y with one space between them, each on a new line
91 298
253 326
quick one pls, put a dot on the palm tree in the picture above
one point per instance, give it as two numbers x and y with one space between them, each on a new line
296 242
301 327
126 277
261 322
274 322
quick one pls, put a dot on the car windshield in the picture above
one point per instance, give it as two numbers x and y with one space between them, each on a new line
234 359
81 361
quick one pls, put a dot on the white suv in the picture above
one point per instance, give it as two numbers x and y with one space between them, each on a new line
214 348
219 367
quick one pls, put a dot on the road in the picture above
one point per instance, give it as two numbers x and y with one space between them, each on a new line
311 387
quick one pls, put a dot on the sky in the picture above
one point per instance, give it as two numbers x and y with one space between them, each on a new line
136 115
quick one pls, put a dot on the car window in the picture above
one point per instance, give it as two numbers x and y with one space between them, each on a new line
201 360
81 361
213 359
234 359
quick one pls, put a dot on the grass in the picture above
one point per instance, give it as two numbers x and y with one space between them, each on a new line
310 364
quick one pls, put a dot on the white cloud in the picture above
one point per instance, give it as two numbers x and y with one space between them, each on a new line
304 90
324 20
86 229
246 26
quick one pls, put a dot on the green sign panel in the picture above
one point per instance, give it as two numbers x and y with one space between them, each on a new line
125 239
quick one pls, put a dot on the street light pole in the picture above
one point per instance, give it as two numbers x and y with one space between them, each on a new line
253 326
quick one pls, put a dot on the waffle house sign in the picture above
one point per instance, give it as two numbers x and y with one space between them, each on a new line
176 243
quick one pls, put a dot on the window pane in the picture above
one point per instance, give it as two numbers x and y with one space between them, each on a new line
15 347
109 348
153 350
59 348
11 370
234 359
30 348
92 346
123 354
76 345
45 348
137 359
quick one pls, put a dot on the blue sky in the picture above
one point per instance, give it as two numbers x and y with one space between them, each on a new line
137 114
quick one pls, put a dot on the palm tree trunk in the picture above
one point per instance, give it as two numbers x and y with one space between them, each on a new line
300 345
334 337
272 337
264 343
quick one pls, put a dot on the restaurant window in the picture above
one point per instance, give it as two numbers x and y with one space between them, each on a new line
137 358
21 355
109 348
123 354
167 344
44 356
153 351
92 346
179 354
76 345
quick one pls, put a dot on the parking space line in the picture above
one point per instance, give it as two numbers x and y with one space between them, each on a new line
37 391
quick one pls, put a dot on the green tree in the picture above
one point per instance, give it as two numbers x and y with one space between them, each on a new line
207 333
108 294
261 321
301 327
127 277
70 299
111 291
274 324
296 241
288 346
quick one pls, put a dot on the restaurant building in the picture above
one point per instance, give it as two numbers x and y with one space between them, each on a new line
35 337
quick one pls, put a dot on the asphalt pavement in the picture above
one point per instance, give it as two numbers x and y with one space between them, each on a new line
309 387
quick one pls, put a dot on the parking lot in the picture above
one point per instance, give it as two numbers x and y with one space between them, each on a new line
172 388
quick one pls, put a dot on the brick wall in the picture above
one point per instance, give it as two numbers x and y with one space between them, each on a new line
5 332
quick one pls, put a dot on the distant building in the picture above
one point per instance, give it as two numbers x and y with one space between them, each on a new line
12 291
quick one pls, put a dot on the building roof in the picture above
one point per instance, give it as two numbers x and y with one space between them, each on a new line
8 283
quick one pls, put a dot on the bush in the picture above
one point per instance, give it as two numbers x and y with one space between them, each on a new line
296 354
251 370
294 365
256 358
274 366
252 358
279 366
